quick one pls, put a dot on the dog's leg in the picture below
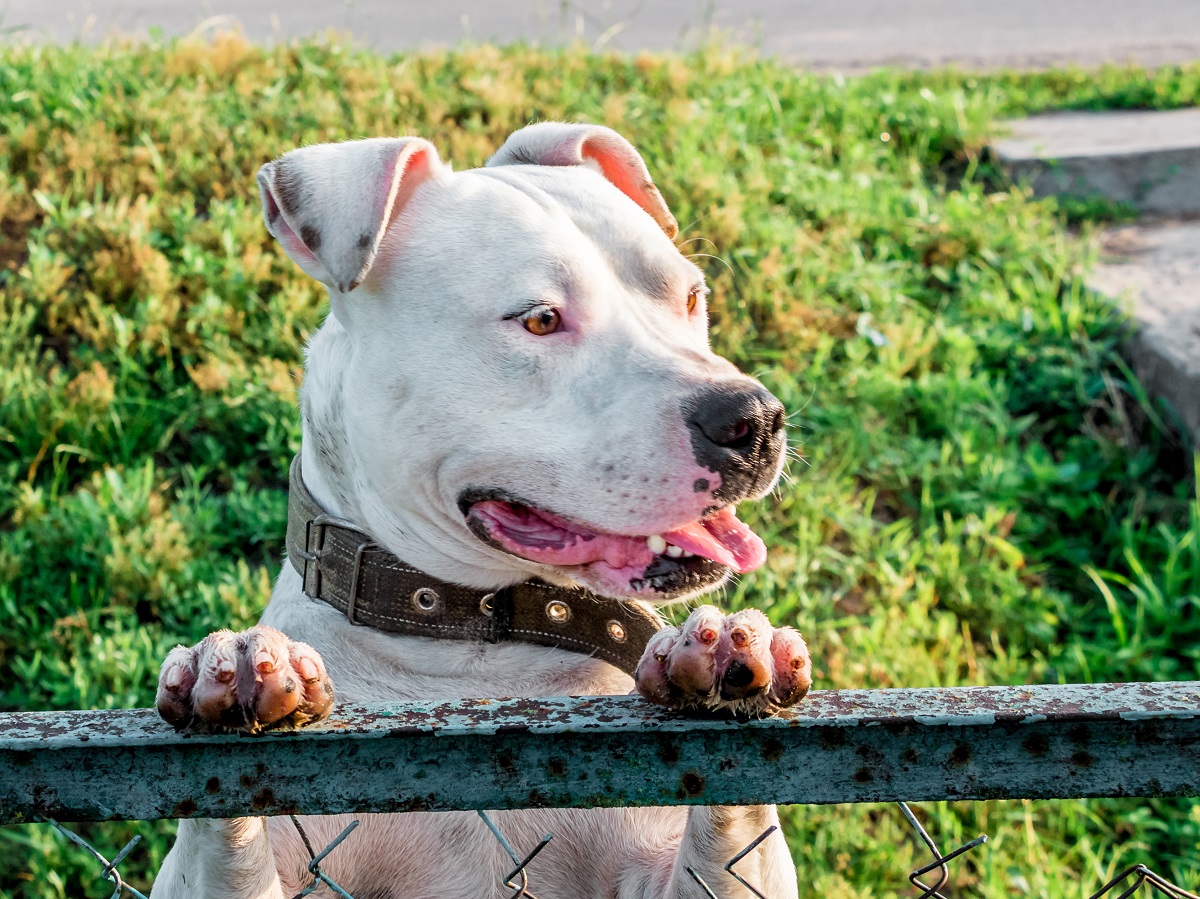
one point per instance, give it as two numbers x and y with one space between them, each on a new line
741 664
714 835
231 859
236 682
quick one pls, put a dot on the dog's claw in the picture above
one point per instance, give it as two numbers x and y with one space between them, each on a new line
308 671
737 664
231 681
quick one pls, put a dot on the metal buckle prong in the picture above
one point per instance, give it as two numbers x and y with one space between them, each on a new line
313 554
352 600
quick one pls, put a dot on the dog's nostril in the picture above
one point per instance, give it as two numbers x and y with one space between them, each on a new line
739 436
736 420
737 676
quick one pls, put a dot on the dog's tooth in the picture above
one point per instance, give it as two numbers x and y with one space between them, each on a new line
674 551
656 543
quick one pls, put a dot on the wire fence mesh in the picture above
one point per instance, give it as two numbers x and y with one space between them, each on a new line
1125 885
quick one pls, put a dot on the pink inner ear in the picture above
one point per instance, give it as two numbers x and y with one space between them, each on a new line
626 175
415 171
620 172
291 241
283 231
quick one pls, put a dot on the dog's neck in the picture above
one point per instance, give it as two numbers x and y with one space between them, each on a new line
332 473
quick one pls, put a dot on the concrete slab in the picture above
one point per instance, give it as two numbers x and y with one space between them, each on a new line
1155 270
1148 158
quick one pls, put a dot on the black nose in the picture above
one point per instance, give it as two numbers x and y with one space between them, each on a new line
737 431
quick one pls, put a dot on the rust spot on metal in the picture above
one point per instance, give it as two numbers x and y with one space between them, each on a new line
668 753
247 781
263 799
1082 759
864 775
213 785
506 763
557 767
184 809
909 756
961 754
692 783
772 749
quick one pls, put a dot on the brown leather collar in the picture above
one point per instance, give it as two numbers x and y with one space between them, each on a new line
340 565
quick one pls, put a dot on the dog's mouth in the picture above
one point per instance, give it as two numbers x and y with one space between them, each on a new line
683 560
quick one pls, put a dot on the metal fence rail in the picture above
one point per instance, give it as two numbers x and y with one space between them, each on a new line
1039 742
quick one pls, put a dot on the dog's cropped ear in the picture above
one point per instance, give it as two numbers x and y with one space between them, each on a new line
555 143
329 205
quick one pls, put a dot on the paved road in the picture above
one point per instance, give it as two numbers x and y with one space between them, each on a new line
826 34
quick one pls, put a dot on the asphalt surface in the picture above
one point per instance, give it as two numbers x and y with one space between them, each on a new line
848 35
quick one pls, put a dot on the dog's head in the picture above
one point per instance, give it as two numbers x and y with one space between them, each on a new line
516 379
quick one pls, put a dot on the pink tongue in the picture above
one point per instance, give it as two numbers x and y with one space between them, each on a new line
543 537
722 538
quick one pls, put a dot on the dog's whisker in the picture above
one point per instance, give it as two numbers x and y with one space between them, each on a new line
697 240
711 256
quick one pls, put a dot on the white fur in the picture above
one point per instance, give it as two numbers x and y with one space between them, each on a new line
418 387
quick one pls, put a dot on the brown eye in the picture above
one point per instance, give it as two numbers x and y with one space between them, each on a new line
542 321
693 299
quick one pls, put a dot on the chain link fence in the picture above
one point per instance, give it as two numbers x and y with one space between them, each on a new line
1123 886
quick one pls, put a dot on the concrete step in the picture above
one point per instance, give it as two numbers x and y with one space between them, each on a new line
1154 270
1147 158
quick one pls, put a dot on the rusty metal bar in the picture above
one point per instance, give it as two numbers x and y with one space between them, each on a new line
1041 742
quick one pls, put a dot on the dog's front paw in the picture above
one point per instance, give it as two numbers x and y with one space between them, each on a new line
243 682
736 663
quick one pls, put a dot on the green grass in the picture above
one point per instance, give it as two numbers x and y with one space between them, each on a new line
986 494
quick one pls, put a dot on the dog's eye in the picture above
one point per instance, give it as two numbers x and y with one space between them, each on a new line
694 298
541 321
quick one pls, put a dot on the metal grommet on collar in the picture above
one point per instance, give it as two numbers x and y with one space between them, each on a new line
616 630
485 605
425 599
558 611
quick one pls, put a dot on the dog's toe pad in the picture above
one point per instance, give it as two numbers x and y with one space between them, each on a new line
246 682
737 663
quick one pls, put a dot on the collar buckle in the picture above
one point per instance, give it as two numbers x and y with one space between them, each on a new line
314 550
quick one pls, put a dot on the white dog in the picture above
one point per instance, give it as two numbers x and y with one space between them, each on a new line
514 394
